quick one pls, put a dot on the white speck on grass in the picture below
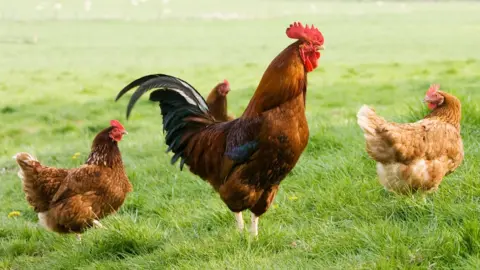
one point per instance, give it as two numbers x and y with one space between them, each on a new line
87 5
166 11
221 16
57 6
40 7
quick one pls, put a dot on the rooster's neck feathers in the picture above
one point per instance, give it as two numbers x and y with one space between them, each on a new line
284 79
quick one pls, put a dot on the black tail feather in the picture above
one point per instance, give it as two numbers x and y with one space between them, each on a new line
134 84
162 82
184 110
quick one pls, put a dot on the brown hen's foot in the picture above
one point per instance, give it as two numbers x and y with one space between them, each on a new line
78 236
239 219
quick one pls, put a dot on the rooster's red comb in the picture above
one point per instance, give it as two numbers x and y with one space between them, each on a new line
116 124
297 31
433 89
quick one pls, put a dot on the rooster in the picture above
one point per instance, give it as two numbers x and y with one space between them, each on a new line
72 200
217 102
416 156
245 159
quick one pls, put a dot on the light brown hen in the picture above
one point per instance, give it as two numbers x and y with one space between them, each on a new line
415 156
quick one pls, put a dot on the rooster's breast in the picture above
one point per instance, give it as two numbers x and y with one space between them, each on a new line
284 136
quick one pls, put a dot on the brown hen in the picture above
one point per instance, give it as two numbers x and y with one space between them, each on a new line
72 200
217 102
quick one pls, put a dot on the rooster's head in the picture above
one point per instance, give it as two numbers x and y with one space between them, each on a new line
311 41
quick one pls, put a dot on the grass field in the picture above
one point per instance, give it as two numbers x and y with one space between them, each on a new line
60 71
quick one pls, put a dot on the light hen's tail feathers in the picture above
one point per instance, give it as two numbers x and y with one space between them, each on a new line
368 120
377 147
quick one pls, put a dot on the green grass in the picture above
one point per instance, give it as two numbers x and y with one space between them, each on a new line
330 212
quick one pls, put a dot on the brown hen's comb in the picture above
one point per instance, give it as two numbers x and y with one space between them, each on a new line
433 89
116 124
226 82
297 31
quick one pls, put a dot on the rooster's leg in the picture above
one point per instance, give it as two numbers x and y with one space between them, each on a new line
239 219
254 225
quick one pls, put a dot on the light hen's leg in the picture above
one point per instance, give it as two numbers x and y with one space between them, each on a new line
254 225
239 219
97 224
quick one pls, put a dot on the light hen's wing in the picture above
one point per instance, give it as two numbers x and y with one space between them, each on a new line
427 139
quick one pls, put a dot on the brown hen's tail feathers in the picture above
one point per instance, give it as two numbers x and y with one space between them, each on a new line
26 162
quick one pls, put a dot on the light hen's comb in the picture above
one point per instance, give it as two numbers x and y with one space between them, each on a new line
115 123
433 89
297 31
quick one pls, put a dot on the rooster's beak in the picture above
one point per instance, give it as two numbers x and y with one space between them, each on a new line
124 132
321 48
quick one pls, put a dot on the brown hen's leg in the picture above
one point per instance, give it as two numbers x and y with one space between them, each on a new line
239 219
78 236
